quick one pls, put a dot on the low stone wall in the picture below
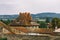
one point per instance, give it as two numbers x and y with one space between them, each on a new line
31 37
26 37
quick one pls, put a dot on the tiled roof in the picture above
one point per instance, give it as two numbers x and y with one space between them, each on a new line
39 30
22 29
6 27
43 30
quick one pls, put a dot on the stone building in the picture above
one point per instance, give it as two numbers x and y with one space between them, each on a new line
23 24
24 19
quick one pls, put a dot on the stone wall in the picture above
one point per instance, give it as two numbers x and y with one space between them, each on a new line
26 37
30 37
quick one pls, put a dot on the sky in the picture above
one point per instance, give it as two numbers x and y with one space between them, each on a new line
32 6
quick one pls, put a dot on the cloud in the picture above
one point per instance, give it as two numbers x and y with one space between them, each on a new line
33 6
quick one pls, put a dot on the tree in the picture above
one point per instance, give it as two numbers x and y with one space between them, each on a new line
6 21
58 23
55 22
42 24
47 20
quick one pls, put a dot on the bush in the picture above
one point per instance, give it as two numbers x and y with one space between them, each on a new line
3 38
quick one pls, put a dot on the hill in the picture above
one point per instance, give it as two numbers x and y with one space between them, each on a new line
37 15
46 14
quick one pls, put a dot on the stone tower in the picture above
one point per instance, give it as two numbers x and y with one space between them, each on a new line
24 18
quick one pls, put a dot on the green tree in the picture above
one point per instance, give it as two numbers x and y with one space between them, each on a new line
42 24
58 23
6 21
47 20
55 22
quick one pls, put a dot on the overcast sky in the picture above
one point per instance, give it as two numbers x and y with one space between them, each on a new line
33 6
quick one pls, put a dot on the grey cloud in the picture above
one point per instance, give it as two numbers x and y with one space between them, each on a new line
34 6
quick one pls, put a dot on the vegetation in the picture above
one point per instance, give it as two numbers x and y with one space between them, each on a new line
55 22
47 20
3 38
6 21
42 24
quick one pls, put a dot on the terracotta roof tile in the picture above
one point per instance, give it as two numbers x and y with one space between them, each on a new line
23 29
39 30
44 30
